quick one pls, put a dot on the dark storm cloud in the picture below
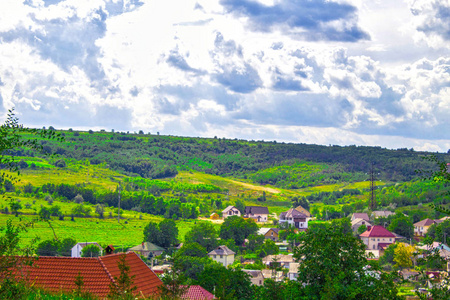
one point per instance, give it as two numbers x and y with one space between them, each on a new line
312 16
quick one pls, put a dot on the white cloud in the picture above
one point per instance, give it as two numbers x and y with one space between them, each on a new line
197 70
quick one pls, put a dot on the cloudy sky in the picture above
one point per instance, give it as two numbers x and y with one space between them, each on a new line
340 72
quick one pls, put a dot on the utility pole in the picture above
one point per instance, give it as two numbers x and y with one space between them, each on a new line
118 209
373 201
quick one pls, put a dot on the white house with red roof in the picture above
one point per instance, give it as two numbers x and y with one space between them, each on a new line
377 238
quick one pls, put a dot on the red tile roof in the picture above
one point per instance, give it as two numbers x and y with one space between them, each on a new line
377 231
57 274
196 292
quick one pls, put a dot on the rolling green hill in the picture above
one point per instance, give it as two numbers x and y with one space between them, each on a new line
189 178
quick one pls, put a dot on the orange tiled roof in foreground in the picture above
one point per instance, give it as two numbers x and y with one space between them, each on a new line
56 274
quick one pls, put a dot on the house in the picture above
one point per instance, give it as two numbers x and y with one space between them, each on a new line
256 277
363 216
196 292
146 248
230 211
293 271
277 276
295 217
377 238
56 274
257 213
269 233
421 227
279 259
223 255
381 213
76 250
356 223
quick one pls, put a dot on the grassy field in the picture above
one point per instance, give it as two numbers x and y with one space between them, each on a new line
127 233
108 230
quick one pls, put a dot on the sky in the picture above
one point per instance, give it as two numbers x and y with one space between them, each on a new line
329 72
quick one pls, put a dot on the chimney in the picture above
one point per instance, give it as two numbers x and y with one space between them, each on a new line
142 245
369 227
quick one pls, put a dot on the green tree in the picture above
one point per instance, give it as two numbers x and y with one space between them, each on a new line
48 248
238 229
269 247
168 233
204 234
402 225
225 283
254 241
91 250
172 287
152 233
192 249
240 205
334 265
14 135
15 206
65 247
362 229
44 213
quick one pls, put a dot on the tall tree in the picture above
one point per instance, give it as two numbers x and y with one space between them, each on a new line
402 225
334 265
238 229
204 234
152 233
168 233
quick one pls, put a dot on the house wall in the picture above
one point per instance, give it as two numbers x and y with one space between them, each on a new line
263 217
271 235
257 280
372 242
420 230
76 251
290 221
232 212
225 260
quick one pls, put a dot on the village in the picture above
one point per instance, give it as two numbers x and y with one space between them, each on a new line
275 261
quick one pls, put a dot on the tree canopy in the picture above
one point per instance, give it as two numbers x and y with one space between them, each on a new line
334 266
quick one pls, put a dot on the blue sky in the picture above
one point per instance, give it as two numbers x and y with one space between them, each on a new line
325 72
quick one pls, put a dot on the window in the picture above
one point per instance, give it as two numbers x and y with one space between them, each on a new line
378 240
214 256
390 240
221 256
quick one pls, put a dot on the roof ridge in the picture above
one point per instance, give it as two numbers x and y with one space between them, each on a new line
106 269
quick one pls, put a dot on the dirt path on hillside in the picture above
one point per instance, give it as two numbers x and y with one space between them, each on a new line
255 187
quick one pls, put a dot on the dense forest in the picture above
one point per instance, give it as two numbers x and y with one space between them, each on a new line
155 156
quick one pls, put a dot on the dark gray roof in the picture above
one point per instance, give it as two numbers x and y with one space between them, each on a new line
221 250
256 210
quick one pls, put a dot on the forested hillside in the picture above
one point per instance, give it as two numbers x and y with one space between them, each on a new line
189 178
155 156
